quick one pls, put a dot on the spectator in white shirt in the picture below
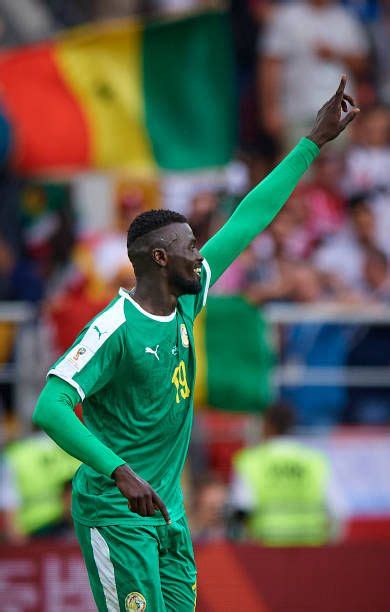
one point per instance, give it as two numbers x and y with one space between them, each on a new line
368 168
305 48
343 256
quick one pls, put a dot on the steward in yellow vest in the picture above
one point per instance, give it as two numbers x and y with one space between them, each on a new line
41 470
283 485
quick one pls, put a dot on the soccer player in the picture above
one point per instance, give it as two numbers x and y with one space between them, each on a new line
133 367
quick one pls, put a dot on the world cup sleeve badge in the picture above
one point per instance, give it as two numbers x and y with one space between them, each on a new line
184 336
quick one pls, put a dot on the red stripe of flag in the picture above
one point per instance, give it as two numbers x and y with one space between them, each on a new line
49 126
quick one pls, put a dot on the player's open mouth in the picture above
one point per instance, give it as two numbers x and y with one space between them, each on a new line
198 270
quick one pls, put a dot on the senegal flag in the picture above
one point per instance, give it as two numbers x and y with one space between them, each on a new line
123 94
235 356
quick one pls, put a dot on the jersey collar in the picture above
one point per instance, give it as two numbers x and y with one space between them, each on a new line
162 319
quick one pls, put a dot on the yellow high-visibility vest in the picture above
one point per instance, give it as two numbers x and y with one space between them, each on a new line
288 482
41 470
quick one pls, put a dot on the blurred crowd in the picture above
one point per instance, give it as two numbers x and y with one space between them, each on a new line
277 492
329 243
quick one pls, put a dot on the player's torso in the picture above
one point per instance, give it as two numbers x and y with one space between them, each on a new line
144 410
162 367
144 415
149 398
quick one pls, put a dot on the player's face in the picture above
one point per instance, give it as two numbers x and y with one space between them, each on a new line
185 262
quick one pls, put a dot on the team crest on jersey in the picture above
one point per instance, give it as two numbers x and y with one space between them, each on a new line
184 336
135 602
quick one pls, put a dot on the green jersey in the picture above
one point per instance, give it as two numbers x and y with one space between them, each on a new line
135 373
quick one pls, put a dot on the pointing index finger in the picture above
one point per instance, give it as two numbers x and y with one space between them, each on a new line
157 501
341 87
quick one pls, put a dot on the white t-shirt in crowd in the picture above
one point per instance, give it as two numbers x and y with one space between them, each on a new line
368 171
342 257
293 35
9 495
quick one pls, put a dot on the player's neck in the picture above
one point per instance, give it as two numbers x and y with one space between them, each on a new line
154 296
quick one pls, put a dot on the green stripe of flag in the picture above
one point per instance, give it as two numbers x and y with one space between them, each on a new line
189 91
239 356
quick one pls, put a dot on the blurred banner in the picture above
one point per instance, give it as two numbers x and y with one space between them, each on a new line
360 478
123 94
50 576
234 356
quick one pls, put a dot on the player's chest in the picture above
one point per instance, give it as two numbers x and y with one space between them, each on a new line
157 350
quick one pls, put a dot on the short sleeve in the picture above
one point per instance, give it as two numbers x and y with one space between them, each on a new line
93 359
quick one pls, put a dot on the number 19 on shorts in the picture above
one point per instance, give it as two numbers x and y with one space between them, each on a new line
179 379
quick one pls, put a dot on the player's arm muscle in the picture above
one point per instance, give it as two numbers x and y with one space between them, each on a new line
258 209
54 413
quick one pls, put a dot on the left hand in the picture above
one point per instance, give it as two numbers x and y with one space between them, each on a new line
328 123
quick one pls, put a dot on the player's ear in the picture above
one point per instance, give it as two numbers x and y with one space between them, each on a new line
160 257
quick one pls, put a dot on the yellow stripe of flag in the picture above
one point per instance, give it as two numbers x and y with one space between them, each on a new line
200 391
102 66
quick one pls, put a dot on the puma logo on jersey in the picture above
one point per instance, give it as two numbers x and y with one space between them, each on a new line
153 352
95 327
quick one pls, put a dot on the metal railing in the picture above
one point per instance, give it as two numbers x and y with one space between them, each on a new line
24 370
299 374
32 351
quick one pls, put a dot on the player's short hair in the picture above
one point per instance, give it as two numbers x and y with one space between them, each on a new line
151 220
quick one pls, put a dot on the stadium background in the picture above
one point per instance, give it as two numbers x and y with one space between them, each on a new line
312 294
